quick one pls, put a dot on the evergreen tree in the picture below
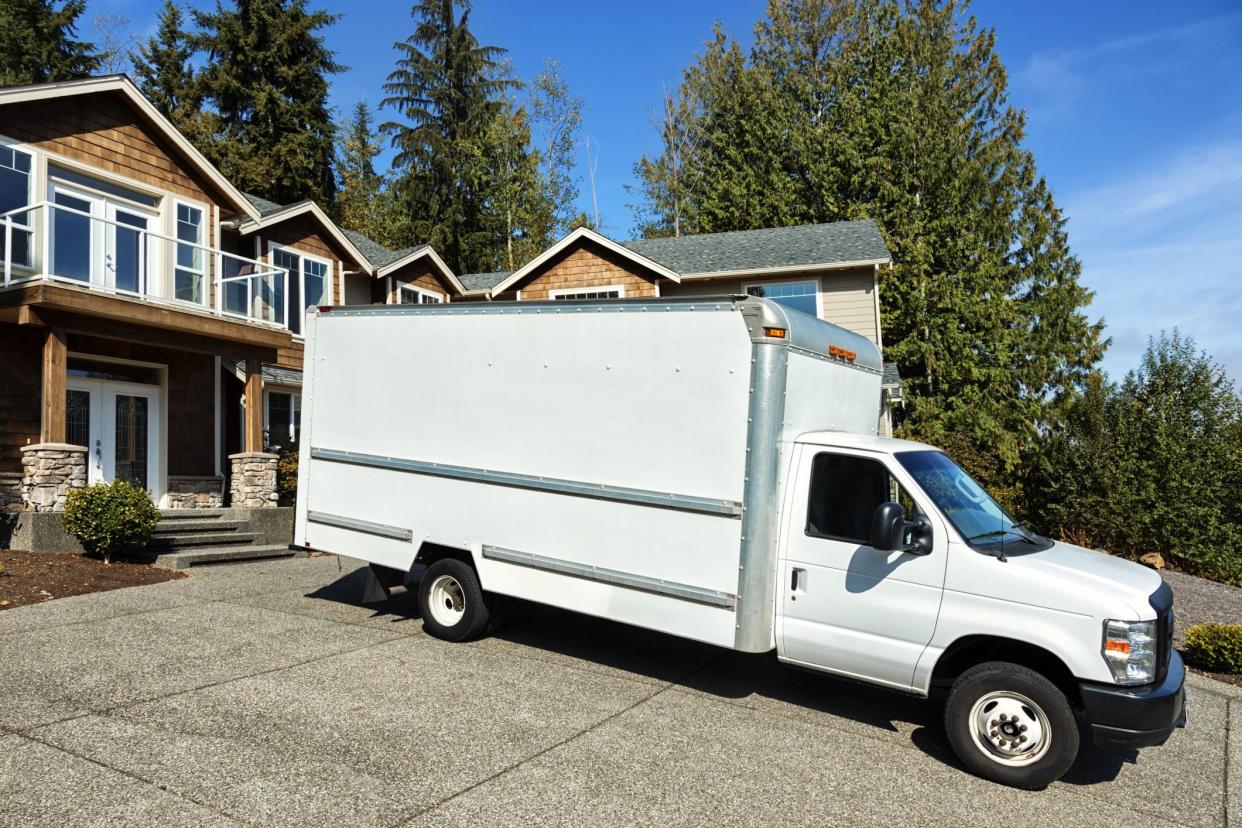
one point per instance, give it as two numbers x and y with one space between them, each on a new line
558 116
266 80
364 202
1151 464
37 43
448 91
164 74
897 111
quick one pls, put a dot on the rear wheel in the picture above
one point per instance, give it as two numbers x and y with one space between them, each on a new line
451 601
1009 724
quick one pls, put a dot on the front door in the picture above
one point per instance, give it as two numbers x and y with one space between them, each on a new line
846 607
118 422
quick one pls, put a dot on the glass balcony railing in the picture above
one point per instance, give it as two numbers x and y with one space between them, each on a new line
118 253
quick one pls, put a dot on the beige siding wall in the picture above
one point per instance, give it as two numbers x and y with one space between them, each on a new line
846 297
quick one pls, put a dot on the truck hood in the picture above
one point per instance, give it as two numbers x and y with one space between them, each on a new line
1078 580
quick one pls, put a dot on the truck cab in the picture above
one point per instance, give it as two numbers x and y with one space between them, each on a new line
896 568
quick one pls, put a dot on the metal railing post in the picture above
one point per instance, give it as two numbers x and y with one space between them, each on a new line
46 263
8 249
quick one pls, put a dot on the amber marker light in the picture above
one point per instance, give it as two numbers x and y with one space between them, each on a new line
776 333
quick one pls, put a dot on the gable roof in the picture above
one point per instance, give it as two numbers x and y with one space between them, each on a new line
572 238
807 246
379 260
126 87
272 213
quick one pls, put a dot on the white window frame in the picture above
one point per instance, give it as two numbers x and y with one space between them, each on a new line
578 292
31 188
436 299
814 280
295 404
330 277
204 268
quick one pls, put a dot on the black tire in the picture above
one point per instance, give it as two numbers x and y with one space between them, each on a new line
990 746
455 585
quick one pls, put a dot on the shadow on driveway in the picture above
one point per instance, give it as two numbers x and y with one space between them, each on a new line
757 681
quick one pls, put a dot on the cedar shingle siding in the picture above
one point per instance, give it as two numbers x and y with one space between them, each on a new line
590 266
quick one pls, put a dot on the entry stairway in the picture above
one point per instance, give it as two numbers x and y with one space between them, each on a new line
187 537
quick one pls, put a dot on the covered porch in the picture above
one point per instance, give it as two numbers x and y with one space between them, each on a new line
100 387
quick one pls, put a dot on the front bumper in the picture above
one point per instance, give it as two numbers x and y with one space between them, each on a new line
1136 716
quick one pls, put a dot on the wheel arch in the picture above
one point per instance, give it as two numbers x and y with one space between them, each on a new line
970 650
431 552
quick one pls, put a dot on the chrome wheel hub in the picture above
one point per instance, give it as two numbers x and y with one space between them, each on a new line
1009 728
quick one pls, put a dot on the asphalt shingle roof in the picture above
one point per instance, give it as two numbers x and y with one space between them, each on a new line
265 207
483 281
891 378
808 244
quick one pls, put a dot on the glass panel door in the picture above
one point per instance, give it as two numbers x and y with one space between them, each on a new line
75 242
130 458
126 259
82 424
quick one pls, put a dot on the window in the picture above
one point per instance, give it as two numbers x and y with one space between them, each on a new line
191 260
410 295
308 284
107 187
284 415
802 296
605 292
845 491
15 178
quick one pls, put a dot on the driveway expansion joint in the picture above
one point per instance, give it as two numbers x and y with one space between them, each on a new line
141 779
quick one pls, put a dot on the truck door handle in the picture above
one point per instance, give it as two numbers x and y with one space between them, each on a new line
795 578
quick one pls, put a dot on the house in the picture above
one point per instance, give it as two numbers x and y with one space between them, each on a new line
151 312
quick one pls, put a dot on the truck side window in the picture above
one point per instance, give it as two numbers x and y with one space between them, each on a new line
845 491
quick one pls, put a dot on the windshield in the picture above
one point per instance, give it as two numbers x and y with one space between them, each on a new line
974 514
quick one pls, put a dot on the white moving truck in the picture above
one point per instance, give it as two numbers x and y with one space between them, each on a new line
710 468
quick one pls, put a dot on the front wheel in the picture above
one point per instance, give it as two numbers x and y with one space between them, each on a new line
451 601
1011 725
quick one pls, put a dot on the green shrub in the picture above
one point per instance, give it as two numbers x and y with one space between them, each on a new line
287 474
110 518
1216 648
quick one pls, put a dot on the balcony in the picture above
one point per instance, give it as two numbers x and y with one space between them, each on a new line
117 253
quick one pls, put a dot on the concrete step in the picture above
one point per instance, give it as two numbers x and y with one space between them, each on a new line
198 540
168 527
194 514
194 557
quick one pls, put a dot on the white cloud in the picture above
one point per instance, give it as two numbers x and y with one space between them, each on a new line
1162 248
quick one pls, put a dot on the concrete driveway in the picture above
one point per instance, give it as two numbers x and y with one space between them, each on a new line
264 693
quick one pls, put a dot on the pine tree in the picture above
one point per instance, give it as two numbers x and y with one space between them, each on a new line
558 116
266 80
898 112
363 200
447 90
37 43
162 66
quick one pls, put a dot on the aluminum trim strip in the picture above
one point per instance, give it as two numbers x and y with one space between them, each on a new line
599 491
341 522
670 589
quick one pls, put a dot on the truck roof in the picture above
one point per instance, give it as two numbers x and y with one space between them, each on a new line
842 439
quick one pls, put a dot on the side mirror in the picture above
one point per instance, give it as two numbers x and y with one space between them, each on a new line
890 531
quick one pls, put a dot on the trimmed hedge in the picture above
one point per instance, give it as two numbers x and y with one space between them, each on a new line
1216 648
110 518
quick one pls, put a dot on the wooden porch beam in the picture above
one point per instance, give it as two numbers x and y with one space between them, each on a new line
254 405
55 359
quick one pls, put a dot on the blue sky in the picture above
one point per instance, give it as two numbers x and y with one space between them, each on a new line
1135 117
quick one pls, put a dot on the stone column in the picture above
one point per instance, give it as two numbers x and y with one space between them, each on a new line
252 480
49 472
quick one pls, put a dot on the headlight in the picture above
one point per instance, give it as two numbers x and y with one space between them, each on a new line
1130 650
